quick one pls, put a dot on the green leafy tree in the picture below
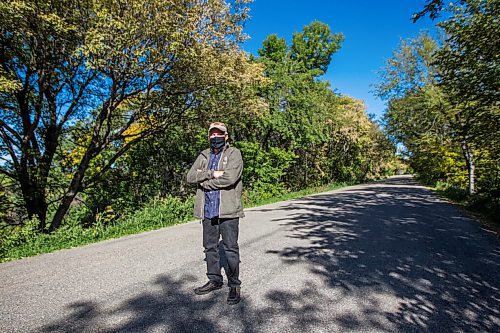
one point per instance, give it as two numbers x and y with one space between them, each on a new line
127 69
421 107
274 50
314 46
328 134
468 62
468 73
419 113
410 68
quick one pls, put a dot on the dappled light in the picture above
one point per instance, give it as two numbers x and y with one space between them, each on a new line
406 243
387 257
105 140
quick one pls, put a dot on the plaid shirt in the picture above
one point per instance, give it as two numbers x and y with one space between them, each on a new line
212 198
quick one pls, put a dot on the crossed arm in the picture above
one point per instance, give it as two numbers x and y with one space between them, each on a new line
216 180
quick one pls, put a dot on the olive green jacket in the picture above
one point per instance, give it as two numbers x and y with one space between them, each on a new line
229 184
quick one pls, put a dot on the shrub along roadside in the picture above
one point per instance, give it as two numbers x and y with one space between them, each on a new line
485 207
159 213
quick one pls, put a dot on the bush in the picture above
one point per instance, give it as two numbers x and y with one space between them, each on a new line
485 204
264 170
453 192
18 236
27 241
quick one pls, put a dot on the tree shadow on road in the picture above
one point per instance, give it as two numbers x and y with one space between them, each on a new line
391 241
140 313
171 307
396 238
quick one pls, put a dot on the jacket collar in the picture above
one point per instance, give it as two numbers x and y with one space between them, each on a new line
206 152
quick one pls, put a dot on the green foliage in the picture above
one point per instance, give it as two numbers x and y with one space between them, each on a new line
443 103
455 193
468 63
437 159
313 48
331 136
120 167
274 49
433 8
487 205
264 169
446 138
410 68
18 236
26 241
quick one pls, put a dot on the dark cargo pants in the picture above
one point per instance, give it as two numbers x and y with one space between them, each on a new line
227 257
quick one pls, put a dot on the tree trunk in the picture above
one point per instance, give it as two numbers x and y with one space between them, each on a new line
33 193
63 207
305 170
35 203
471 165
74 188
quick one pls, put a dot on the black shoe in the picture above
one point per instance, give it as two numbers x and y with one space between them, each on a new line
208 287
234 296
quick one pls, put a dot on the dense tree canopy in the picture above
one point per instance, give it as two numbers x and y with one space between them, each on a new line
119 70
105 104
468 62
443 99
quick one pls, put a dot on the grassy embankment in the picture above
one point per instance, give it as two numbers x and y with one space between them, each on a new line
157 214
483 207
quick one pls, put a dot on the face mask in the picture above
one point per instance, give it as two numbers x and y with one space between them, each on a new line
217 142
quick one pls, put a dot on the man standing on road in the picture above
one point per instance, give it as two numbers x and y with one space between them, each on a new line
217 173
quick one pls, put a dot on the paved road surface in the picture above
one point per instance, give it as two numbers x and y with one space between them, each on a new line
382 257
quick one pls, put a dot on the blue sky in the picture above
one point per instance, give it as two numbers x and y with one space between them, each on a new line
372 31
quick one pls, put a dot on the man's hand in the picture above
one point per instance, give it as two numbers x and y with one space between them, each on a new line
217 174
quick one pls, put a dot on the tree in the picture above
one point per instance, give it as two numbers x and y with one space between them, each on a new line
313 48
113 65
426 109
274 49
469 75
296 100
419 111
329 137
468 62
420 121
432 8
410 68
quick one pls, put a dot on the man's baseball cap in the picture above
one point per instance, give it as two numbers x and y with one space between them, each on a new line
220 126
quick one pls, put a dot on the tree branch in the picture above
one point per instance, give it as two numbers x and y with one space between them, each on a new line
6 139
9 174
118 154
75 100
12 131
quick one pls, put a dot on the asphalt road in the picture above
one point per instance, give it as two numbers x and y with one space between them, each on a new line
382 257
